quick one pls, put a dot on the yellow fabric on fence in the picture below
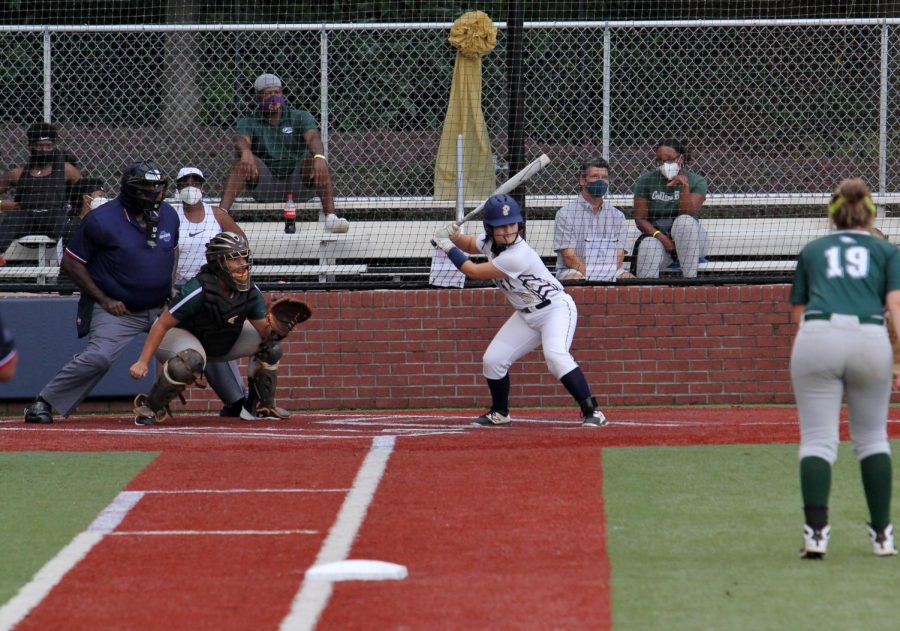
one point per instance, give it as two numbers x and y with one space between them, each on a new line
473 35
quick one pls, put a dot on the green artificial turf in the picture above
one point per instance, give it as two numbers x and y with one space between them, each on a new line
708 538
46 498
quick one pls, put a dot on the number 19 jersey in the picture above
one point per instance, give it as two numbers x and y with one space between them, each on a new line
849 271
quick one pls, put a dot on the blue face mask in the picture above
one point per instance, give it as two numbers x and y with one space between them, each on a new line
597 188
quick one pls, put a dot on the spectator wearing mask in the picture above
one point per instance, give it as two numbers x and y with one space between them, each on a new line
667 201
41 188
200 222
280 152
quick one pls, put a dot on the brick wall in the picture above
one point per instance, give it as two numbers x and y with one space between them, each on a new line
649 345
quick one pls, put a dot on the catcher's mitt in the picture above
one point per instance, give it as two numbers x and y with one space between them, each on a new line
283 314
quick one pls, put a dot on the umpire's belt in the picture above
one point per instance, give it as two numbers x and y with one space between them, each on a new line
821 315
540 305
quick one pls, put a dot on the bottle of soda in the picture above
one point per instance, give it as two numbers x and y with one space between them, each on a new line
290 215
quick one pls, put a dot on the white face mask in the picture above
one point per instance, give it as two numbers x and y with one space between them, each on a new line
190 195
98 201
669 169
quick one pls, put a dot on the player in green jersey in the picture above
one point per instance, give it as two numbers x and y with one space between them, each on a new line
841 286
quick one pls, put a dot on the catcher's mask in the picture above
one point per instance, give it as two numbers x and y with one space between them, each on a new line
228 246
501 210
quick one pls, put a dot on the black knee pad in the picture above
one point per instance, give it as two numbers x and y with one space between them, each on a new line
269 353
184 367
178 373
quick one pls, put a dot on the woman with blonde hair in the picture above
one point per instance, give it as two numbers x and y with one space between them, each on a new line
842 285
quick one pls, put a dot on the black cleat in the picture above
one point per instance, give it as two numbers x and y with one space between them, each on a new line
39 412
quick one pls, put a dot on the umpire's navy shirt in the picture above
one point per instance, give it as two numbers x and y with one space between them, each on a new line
114 249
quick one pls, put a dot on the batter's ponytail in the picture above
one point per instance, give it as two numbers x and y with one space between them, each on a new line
851 206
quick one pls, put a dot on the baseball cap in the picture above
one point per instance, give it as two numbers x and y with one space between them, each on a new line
186 171
41 131
264 81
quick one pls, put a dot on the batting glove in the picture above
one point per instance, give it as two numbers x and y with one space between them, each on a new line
443 243
450 231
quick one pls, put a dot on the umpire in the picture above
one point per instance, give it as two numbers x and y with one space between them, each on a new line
121 258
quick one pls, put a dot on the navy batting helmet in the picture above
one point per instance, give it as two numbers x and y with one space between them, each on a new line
143 187
225 246
500 210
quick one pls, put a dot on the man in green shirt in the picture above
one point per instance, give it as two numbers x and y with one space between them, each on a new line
280 152
667 203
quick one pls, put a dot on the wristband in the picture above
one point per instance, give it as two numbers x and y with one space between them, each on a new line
457 257
655 233
320 156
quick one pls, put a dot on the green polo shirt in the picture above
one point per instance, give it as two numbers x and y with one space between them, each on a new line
280 146
663 200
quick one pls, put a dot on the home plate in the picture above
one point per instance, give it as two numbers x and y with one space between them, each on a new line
357 570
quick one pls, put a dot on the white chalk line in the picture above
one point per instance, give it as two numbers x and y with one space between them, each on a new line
50 575
313 596
225 533
202 491
33 592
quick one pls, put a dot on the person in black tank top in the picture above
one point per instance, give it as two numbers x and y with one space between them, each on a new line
40 202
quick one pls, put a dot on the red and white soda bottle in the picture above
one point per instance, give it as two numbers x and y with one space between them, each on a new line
290 215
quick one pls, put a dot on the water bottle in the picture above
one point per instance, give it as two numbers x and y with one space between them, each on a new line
290 215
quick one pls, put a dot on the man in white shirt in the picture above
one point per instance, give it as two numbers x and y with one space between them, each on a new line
589 233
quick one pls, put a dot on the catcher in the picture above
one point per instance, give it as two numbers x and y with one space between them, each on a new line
221 315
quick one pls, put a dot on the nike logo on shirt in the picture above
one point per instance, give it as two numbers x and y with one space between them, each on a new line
194 234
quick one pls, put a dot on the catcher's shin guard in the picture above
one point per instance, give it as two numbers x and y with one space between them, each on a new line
261 401
177 374
262 377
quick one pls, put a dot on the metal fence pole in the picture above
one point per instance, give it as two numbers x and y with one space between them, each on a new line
323 43
883 110
460 179
607 88
48 84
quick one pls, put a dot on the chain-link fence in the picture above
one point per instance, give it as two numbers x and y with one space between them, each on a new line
769 109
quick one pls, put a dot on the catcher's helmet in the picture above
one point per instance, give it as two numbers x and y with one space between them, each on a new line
143 187
225 246
501 210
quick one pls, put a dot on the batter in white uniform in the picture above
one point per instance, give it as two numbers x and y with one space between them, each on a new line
545 315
